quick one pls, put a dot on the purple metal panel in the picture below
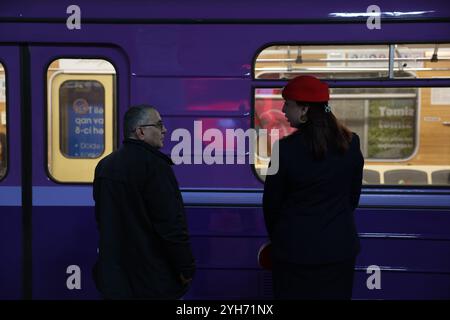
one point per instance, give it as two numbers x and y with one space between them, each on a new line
217 103
63 236
216 221
427 256
232 252
226 284
239 233
226 241
256 284
417 224
195 97
10 253
197 125
400 285
220 176
420 223
229 50
214 175
198 10
216 50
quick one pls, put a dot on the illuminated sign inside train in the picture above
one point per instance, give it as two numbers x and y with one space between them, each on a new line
83 119
392 126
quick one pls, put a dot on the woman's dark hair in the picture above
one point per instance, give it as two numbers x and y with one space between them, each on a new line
324 131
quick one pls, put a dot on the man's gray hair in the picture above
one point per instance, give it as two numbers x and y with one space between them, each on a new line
136 116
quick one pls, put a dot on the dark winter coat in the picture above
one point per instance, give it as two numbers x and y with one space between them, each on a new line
144 244
309 204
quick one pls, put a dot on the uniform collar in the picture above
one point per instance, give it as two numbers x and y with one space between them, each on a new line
301 127
149 148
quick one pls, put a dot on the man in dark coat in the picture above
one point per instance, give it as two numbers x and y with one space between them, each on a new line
144 248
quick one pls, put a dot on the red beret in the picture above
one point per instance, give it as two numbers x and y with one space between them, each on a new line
307 89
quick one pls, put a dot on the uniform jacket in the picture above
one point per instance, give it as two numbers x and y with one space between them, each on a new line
309 204
144 243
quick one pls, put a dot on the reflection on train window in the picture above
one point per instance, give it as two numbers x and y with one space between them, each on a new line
3 146
397 126
80 117
353 61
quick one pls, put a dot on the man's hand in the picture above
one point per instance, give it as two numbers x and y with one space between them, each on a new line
185 281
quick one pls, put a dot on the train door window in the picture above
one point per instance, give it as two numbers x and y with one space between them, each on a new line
3 146
81 111
404 131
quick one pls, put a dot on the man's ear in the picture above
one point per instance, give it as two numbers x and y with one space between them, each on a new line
139 134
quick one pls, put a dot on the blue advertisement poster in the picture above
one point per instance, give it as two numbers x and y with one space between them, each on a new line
83 118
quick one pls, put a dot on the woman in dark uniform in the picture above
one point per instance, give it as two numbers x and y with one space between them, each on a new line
309 203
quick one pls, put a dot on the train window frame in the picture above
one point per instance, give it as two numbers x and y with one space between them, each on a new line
60 167
5 148
394 82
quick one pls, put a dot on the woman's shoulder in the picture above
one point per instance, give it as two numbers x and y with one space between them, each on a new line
293 138
293 143
355 138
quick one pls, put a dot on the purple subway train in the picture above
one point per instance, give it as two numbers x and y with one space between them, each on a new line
70 69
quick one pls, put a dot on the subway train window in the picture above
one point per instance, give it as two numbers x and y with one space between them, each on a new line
354 61
81 111
404 131
3 146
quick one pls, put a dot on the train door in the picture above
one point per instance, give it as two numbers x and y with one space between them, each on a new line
75 94
11 248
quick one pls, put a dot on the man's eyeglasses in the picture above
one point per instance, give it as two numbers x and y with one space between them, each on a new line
159 125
